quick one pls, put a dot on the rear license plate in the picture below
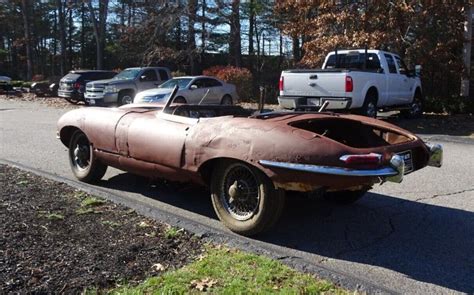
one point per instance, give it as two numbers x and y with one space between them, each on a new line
91 101
408 160
313 102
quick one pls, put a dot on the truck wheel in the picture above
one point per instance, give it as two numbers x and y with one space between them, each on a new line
125 98
369 109
227 100
84 165
345 197
415 110
244 198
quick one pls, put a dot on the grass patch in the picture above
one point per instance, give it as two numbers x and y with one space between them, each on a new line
82 211
172 232
110 223
51 216
225 271
92 202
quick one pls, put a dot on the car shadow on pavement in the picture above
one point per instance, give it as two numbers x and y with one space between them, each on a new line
455 125
424 242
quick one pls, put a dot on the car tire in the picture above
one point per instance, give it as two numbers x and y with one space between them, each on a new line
125 98
227 100
244 198
345 197
85 166
416 108
72 100
369 108
179 99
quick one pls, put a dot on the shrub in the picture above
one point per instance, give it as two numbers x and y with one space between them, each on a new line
16 83
450 105
37 78
240 77
178 74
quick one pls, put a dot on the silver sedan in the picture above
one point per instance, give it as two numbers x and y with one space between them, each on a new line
192 90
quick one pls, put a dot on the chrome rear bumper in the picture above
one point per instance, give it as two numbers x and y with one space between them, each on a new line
393 173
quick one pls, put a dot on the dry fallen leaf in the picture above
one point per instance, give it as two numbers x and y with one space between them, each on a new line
204 284
158 267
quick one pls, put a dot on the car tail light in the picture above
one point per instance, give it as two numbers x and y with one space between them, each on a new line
349 84
77 85
281 85
365 159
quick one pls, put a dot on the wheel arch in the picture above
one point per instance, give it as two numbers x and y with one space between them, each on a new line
372 90
208 166
66 133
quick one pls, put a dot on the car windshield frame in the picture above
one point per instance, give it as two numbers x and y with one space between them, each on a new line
181 82
127 74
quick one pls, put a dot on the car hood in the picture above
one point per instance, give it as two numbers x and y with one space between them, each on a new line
152 95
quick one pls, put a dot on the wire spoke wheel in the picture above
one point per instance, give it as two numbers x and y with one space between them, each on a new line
240 193
244 198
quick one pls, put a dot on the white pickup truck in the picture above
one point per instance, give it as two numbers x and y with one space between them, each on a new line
361 80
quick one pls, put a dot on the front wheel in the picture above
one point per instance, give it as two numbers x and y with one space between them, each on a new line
84 165
244 198
125 98
415 109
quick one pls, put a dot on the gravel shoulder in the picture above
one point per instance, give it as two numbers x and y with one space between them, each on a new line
54 237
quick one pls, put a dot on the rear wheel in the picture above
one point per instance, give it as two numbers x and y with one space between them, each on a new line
369 109
244 198
345 197
83 163
125 98
227 100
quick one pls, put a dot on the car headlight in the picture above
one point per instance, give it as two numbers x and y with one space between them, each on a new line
110 89
151 98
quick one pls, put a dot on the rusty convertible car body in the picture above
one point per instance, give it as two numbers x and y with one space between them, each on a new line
248 161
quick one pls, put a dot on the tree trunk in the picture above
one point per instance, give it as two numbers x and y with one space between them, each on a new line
203 27
99 30
251 25
71 28
192 9
62 37
296 48
234 40
83 20
26 24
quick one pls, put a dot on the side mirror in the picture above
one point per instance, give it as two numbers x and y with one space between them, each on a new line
380 70
142 77
193 87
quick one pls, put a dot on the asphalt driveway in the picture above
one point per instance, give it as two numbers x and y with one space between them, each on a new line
414 237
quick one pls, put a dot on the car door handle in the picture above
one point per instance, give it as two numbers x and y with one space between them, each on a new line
312 84
405 80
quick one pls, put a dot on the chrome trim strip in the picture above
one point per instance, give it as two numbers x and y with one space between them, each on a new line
381 172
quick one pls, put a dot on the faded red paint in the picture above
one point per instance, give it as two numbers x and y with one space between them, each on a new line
145 141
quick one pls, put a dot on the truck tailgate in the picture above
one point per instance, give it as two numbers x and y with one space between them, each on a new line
314 84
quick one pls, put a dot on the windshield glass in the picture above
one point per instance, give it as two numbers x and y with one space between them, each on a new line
181 82
128 74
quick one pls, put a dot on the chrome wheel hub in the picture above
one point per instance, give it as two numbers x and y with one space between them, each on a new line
240 192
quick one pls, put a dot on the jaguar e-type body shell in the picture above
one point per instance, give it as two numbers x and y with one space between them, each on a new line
297 151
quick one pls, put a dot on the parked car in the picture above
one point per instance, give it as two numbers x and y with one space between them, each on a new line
5 85
73 85
42 89
123 87
192 90
359 80
248 161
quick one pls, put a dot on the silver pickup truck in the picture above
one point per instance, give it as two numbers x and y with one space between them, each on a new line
360 80
122 88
